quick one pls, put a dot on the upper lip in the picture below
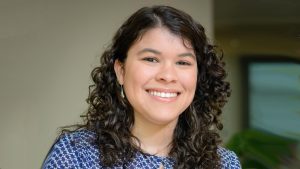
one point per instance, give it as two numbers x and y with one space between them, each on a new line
165 90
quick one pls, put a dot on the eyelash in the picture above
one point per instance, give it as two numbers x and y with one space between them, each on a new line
155 60
150 59
183 63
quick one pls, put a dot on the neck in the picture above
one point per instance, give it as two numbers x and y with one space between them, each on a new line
154 139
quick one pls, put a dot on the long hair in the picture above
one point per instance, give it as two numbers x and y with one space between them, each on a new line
110 116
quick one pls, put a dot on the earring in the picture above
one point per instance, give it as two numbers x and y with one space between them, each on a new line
122 92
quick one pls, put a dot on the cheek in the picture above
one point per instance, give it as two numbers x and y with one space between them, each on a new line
138 75
189 80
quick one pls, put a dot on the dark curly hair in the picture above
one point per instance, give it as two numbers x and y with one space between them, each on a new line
110 116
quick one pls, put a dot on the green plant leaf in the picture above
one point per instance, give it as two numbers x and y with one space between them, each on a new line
260 148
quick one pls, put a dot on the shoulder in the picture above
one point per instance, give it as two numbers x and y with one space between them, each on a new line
228 159
73 150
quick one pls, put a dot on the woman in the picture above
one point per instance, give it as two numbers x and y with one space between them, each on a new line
156 100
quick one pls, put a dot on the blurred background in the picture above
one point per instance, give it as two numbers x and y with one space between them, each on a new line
261 44
48 48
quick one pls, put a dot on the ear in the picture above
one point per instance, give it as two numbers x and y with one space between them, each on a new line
119 70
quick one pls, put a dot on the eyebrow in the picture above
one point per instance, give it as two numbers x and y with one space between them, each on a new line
149 50
188 54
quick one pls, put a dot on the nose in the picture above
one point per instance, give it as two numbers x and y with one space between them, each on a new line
167 73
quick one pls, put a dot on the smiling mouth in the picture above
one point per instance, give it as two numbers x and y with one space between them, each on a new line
163 94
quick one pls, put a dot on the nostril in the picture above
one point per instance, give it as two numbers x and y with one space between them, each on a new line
167 75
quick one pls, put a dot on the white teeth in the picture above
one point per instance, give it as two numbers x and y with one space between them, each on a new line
163 94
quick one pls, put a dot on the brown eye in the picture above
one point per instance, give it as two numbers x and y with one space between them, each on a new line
150 59
183 63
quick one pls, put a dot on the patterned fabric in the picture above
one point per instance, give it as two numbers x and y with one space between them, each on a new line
75 150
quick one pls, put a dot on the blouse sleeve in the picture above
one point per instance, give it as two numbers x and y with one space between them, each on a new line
61 155
234 162
229 159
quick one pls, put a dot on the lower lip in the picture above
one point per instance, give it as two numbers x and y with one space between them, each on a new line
164 99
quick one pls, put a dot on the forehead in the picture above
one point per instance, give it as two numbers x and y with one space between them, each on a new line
162 38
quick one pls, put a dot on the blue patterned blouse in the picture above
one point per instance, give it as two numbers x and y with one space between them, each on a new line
73 150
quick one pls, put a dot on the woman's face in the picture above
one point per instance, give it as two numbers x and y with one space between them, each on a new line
159 77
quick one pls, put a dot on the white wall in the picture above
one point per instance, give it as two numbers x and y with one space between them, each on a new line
47 50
